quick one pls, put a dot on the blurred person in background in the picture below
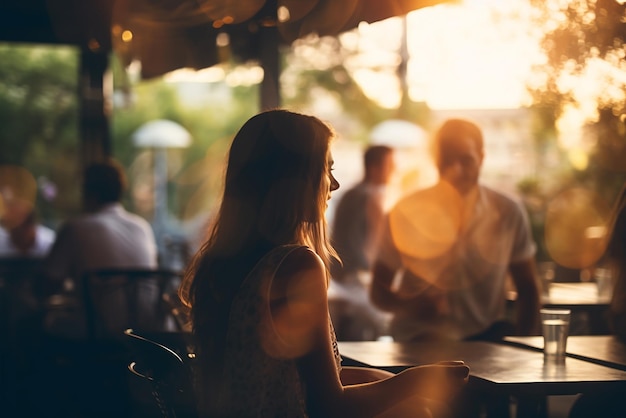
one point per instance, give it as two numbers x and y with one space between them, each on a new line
21 235
24 243
359 215
105 236
454 245
357 224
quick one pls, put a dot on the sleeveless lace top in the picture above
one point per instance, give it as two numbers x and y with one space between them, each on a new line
256 383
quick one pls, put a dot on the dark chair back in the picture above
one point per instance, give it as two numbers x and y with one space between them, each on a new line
21 281
20 303
21 293
179 311
117 299
168 375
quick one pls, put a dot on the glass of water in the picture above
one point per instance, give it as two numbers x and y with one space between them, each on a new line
555 328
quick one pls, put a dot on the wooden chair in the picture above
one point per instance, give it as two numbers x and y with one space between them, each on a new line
117 299
167 375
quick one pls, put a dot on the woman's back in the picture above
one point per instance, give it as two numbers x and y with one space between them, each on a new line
254 377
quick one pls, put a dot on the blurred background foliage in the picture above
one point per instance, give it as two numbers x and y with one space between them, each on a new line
39 119
39 115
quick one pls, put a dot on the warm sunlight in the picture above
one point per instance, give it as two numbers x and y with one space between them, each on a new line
472 54
476 54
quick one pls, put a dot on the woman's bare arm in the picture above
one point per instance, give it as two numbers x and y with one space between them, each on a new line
304 322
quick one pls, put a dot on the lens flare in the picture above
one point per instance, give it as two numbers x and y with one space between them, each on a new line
426 225
574 230
448 241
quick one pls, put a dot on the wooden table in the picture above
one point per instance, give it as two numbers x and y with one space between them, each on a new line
498 367
605 350
579 297
495 369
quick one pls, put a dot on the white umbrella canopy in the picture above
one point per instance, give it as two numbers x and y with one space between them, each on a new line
161 133
398 133
415 168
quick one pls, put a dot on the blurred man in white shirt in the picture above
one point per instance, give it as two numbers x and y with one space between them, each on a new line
453 246
105 236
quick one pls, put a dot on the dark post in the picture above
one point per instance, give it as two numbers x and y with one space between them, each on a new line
270 62
94 99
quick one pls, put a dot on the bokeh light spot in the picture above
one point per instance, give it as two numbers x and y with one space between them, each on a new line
574 230
283 14
578 158
426 225
18 191
127 36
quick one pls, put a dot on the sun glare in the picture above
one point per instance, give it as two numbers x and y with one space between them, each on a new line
476 54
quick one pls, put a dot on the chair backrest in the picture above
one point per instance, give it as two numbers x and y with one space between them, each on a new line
20 288
20 272
179 311
168 374
117 299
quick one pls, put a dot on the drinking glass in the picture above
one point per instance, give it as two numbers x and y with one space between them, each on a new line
555 327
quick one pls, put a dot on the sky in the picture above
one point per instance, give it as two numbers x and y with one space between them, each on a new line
476 54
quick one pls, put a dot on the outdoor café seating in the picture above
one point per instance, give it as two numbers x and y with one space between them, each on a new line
116 299
162 383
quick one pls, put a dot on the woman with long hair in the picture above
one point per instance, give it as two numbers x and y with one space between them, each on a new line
257 289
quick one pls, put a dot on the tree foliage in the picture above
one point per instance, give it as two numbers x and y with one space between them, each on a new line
39 119
583 36
319 66
38 104
195 173
585 72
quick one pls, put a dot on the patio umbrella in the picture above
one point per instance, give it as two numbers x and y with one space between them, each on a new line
398 133
160 135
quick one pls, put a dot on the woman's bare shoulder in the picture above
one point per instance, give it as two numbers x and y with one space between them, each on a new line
301 269
302 260
298 302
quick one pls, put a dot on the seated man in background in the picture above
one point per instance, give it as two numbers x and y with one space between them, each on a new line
454 244
105 236
24 243
357 224
20 233
26 239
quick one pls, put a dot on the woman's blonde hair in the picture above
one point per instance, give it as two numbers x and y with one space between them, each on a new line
272 196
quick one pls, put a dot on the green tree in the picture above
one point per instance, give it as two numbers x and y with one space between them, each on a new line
38 106
39 119
316 66
195 173
585 47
